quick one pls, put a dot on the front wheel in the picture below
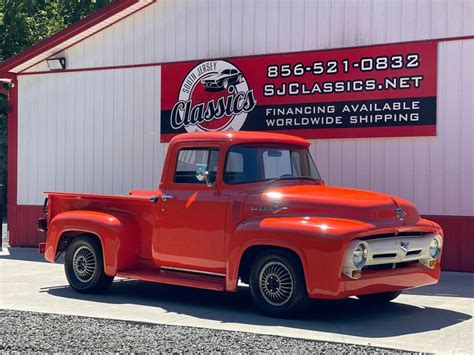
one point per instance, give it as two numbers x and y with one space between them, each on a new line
379 298
84 266
277 284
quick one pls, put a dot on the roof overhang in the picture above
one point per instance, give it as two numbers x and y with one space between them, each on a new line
76 32
7 76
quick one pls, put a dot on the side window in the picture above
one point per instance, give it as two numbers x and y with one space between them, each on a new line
191 159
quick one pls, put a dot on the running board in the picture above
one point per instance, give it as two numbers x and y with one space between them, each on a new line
215 283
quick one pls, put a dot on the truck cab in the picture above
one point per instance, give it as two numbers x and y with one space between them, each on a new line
201 203
248 206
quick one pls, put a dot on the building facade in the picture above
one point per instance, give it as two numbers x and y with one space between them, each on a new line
96 125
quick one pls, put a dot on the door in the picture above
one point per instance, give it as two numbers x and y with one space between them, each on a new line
192 219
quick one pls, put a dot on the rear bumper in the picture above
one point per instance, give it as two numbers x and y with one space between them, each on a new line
411 276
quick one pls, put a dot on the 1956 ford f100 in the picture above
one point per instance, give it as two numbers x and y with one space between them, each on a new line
245 206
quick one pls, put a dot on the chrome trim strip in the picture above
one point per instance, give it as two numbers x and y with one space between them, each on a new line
193 271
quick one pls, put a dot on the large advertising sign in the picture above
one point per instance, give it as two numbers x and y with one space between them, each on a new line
377 91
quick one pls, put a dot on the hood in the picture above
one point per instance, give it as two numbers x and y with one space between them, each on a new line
375 208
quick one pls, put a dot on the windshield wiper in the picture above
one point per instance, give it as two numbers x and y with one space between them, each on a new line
292 178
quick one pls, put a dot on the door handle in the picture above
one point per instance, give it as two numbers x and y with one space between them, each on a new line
166 197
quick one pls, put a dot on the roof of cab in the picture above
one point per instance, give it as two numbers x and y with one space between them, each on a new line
240 137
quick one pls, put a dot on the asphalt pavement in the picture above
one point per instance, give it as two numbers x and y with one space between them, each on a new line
436 319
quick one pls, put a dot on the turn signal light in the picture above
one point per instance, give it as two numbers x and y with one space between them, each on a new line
356 274
432 264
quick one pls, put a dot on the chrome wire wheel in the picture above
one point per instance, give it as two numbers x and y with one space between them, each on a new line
84 264
276 283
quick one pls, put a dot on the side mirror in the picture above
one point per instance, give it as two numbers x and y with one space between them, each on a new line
202 175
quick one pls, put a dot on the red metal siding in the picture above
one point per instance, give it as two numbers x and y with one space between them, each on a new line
457 254
459 242
22 226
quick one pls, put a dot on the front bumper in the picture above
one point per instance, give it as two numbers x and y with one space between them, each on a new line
378 281
415 275
388 266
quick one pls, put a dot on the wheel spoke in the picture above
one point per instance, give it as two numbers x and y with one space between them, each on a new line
84 264
276 283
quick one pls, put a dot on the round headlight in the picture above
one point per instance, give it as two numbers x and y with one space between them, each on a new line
434 248
359 257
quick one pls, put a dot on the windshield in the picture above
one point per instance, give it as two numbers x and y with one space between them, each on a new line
247 163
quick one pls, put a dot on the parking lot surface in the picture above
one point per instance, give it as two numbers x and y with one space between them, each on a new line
434 319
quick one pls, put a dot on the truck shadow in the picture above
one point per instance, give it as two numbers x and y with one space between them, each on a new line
452 284
347 317
22 254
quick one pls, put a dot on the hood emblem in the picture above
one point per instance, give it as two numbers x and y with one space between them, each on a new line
404 246
274 208
401 213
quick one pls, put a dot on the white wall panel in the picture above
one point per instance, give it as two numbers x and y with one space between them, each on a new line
88 132
175 30
98 130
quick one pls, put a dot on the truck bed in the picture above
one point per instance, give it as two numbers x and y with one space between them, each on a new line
138 207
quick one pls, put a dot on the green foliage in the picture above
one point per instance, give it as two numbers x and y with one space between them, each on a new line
26 22
74 10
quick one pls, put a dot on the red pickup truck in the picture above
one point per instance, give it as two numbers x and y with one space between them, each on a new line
246 206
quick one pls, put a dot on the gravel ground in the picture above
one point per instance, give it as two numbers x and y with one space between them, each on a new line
40 332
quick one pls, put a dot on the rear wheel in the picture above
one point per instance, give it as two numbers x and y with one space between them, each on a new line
277 284
379 298
84 266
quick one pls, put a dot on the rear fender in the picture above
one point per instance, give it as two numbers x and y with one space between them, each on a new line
118 235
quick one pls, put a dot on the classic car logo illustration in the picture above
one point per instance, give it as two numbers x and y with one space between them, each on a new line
404 246
214 96
401 214
222 80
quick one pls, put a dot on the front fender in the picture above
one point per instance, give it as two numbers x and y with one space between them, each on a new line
319 242
118 234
